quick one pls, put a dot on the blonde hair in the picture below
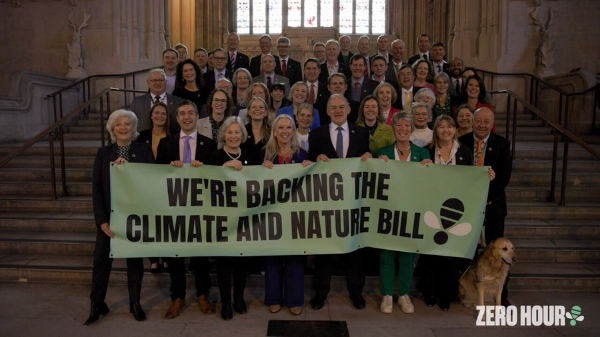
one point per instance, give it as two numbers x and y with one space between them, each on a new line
272 147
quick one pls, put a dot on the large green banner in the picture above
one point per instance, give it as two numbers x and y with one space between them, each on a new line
325 208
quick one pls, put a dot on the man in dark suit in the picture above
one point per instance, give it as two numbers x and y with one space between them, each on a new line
397 59
423 43
317 91
380 73
364 48
141 105
455 70
220 69
187 146
437 56
345 53
289 68
358 86
492 150
269 77
332 65
407 91
235 59
339 139
265 49
383 46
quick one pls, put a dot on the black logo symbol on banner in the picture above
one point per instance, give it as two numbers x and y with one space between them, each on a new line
450 213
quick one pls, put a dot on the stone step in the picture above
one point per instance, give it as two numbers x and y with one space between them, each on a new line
573 194
69 269
30 188
525 130
62 205
552 229
91 128
89 150
545 166
44 222
85 136
40 161
551 211
574 179
91 122
521 122
72 175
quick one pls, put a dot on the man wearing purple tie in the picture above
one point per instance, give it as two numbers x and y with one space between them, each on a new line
183 148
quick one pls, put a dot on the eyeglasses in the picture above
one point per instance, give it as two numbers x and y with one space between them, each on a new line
160 80
218 100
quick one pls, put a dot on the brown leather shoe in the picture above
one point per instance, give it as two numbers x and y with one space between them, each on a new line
205 305
175 308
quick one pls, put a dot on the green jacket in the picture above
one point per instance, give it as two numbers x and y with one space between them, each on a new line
382 137
417 154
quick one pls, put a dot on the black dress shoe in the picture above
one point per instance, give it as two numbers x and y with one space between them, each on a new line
239 305
358 301
430 300
98 308
444 304
226 311
318 302
136 309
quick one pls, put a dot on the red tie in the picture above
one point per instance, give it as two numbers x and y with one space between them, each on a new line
283 67
312 94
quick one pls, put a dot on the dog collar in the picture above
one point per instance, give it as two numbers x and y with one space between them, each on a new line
486 278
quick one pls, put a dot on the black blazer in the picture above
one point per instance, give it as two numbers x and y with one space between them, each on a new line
498 156
319 142
341 59
399 102
367 89
321 102
209 80
294 71
464 155
168 149
241 61
416 57
255 65
342 68
139 153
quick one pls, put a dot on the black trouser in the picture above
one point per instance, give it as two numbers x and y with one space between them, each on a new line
178 276
103 265
355 271
439 276
225 267
494 228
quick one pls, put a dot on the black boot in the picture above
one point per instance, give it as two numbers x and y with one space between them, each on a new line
98 308
136 309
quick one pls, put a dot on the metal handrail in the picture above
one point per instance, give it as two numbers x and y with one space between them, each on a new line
85 84
57 130
563 95
557 128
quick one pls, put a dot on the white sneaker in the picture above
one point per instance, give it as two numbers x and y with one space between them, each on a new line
406 304
387 304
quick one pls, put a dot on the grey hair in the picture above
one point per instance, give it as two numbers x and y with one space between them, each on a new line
416 105
405 116
398 41
229 121
296 85
426 92
115 116
338 96
284 39
443 75
235 74
158 70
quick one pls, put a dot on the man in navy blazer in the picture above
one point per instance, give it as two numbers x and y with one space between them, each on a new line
317 91
438 52
141 105
339 139
220 70
265 49
172 150
358 86
495 151
233 54
423 42
290 68
407 91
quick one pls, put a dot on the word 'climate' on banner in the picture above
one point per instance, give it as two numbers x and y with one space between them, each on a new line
325 208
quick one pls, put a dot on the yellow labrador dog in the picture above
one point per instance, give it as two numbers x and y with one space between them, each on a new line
486 276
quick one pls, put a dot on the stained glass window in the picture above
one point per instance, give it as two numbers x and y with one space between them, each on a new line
353 16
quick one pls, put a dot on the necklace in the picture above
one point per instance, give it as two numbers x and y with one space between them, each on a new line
232 157
402 151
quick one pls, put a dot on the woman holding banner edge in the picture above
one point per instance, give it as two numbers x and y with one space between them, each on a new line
121 126
404 150
283 147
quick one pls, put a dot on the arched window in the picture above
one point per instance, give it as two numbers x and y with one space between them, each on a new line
272 16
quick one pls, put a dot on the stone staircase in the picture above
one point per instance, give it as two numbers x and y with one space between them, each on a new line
52 241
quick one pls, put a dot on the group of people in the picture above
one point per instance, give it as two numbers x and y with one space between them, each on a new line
241 111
